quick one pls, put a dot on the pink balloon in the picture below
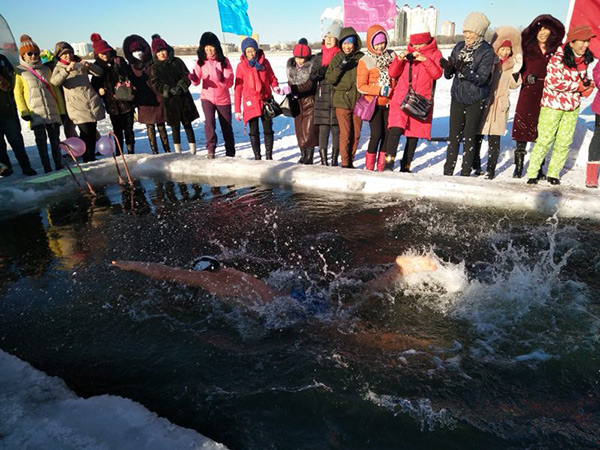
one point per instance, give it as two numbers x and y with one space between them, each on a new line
76 145
105 146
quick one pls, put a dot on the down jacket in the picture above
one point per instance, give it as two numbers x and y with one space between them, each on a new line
215 80
82 101
367 72
43 102
149 103
424 74
534 63
495 115
173 74
114 71
596 102
343 78
474 86
324 110
303 88
253 86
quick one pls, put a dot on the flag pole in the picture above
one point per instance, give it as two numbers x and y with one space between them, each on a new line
570 15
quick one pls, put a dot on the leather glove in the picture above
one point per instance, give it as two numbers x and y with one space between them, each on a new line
531 79
459 65
446 63
345 64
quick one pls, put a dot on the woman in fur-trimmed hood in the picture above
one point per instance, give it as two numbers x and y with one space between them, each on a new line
303 89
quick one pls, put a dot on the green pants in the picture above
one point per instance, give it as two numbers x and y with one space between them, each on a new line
554 127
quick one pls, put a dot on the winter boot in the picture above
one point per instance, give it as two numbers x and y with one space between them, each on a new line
210 154
477 163
164 138
177 148
193 148
381 161
323 155
130 149
302 156
370 161
255 143
519 161
334 157
269 140
541 175
389 163
591 175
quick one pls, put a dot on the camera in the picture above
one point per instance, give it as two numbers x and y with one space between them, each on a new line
586 82
409 57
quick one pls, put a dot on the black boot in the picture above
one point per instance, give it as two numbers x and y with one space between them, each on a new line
310 152
335 153
323 155
520 152
130 149
541 175
255 143
164 137
302 157
389 164
269 146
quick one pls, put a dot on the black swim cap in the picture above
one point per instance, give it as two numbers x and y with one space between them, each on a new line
208 263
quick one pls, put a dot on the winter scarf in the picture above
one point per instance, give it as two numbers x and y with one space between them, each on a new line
254 63
466 53
383 62
328 54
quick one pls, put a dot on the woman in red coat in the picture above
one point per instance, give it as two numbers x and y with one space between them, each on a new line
540 40
254 79
424 57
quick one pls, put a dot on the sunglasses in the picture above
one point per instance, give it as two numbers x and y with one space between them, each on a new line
33 54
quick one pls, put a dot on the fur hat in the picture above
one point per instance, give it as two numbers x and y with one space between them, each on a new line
61 48
577 33
419 33
27 45
100 45
158 44
249 42
476 22
334 30
302 50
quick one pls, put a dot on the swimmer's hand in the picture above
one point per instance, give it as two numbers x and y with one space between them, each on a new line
409 264
125 265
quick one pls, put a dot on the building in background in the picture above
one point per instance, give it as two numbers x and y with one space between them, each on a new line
82 48
448 28
406 16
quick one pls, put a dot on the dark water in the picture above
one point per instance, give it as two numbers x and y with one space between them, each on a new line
498 349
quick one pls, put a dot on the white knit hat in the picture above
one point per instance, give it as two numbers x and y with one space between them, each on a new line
334 30
476 22
419 33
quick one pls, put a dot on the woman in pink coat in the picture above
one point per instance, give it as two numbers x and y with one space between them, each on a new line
591 178
424 57
214 71
254 79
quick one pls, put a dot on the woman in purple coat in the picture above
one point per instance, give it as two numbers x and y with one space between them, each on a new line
540 40
149 104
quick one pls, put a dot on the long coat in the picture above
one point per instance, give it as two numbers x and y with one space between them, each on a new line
495 115
303 87
149 103
424 74
114 71
82 100
474 85
169 74
534 63
345 94
596 102
324 110
253 86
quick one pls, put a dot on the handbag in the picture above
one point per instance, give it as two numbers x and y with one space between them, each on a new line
270 109
365 108
290 107
124 92
415 105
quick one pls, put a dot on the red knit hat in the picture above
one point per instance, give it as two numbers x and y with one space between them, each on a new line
100 45
302 50
506 43
158 44
580 33
420 33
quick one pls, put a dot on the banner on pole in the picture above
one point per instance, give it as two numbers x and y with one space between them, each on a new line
586 12
361 14
234 17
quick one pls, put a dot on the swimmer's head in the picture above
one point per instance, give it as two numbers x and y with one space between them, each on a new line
208 263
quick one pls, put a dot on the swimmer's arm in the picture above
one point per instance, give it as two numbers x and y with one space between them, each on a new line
161 272
404 265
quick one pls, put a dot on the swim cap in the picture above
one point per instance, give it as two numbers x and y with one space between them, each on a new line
208 263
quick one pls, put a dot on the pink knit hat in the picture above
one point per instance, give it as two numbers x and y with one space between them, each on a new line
379 38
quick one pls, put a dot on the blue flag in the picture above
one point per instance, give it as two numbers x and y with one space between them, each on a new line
234 17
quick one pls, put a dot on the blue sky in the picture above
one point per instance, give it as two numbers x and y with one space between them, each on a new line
182 22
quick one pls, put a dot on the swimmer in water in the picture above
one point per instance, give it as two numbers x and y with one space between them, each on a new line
227 282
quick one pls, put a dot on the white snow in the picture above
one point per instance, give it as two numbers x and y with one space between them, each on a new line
39 412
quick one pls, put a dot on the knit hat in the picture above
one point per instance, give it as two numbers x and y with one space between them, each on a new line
249 42
158 44
379 38
334 29
419 33
577 33
506 43
61 48
477 23
100 45
27 45
302 50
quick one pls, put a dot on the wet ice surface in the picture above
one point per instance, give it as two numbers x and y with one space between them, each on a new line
499 344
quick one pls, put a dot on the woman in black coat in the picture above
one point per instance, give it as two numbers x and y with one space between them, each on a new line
471 64
149 103
115 72
170 79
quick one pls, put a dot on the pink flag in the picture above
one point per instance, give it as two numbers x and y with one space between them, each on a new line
586 12
361 14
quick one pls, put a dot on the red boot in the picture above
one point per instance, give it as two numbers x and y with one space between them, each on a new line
381 161
591 175
370 161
